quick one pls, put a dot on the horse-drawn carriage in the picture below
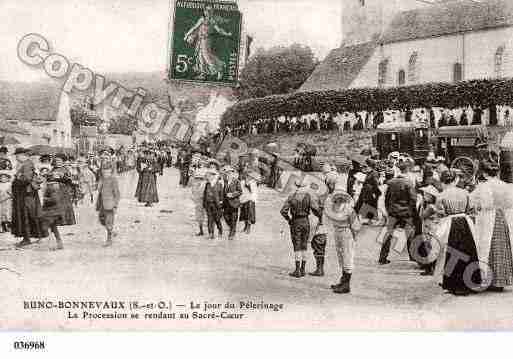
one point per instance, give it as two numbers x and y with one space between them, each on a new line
403 137
463 147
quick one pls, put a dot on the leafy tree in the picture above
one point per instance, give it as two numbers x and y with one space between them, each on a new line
278 70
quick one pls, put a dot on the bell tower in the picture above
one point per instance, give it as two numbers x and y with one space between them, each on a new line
364 19
361 20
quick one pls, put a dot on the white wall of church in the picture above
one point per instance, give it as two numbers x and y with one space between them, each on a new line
437 56
481 48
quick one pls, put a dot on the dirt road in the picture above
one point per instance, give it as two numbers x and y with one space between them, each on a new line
157 261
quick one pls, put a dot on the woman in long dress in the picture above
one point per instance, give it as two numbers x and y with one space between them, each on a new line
248 200
493 203
146 191
457 238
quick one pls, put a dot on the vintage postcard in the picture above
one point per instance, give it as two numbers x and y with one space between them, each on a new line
256 165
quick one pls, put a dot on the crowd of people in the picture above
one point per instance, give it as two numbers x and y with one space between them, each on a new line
39 193
429 209
457 231
357 121
219 192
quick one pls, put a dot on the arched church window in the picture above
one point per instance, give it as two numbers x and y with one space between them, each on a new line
457 72
413 68
401 77
382 72
499 62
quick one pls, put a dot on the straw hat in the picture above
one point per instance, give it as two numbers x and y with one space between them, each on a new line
5 174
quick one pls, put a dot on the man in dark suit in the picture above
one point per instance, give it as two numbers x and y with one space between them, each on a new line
213 197
401 204
231 204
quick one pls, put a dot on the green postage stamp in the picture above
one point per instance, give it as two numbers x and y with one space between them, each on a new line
205 42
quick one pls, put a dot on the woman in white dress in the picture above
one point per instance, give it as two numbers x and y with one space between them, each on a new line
493 203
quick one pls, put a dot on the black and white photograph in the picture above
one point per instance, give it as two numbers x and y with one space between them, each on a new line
256 165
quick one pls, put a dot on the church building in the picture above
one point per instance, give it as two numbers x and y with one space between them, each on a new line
389 43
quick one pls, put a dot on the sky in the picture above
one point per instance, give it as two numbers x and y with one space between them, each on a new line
131 35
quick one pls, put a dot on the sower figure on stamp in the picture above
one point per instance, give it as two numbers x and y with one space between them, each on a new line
296 210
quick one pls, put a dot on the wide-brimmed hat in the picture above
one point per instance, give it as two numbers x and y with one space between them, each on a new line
21 150
340 195
5 174
430 189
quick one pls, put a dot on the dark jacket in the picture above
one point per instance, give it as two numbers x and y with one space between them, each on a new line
213 194
299 205
232 193
401 198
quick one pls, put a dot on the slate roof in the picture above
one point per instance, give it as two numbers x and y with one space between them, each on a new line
448 18
340 67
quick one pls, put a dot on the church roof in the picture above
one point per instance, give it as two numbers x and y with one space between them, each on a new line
340 67
447 18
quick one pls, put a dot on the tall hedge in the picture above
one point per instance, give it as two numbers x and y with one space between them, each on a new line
482 93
